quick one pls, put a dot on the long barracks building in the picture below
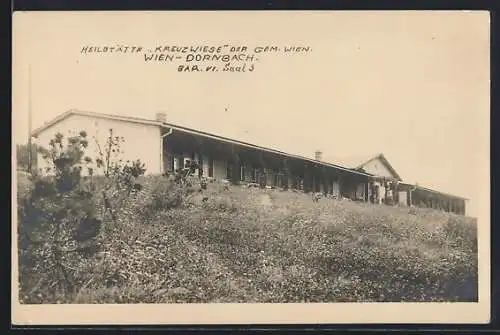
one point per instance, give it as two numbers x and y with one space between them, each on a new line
166 147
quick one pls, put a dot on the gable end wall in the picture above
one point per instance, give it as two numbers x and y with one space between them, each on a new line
378 168
141 141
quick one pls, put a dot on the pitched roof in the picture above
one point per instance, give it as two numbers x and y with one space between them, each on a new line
70 112
358 162
63 116
350 161
384 161
426 189
350 164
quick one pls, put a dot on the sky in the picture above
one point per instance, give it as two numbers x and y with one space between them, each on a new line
411 85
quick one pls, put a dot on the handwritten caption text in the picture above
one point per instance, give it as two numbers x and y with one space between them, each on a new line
200 58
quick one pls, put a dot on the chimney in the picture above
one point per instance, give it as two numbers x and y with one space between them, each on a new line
162 117
318 155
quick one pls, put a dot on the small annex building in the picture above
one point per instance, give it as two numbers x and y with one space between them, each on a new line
164 148
389 188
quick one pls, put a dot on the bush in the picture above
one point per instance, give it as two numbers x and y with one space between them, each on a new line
52 214
166 195
161 194
61 217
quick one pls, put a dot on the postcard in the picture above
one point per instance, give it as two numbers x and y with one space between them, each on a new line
260 167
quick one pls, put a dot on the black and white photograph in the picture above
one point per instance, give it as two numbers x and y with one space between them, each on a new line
251 167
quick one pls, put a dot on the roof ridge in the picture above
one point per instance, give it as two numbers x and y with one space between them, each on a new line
76 111
187 129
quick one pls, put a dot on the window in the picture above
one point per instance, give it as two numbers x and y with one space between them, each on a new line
229 171
176 164
187 162
255 175
278 178
389 193
242 172
210 167
171 167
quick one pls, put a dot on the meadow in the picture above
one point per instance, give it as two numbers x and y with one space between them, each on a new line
169 243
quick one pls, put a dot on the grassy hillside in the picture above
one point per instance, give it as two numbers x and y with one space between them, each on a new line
255 245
